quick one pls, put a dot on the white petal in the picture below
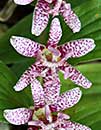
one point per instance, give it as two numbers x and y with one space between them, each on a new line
67 100
77 48
40 17
23 2
25 46
55 33
18 116
70 17
37 93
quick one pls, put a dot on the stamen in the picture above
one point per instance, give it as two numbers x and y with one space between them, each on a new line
54 51
48 114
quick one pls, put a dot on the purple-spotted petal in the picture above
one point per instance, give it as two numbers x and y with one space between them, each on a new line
77 48
28 76
76 76
36 123
67 100
25 46
40 17
18 116
55 33
23 2
37 93
68 125
70 17
62 116
51 87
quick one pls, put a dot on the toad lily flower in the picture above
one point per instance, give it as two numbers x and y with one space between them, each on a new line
52 56
43 9
42 107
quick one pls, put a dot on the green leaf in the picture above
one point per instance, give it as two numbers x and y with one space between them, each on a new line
88 110
8 97
90 16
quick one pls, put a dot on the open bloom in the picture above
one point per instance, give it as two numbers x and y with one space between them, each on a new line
42 106
43 9
52 57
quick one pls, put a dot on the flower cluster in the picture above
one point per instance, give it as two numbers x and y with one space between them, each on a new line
45 114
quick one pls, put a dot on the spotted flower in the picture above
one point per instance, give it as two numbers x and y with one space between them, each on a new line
42 106
52 57
42 10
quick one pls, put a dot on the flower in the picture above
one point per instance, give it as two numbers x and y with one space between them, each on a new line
61 123
42 107
52 57
43 9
